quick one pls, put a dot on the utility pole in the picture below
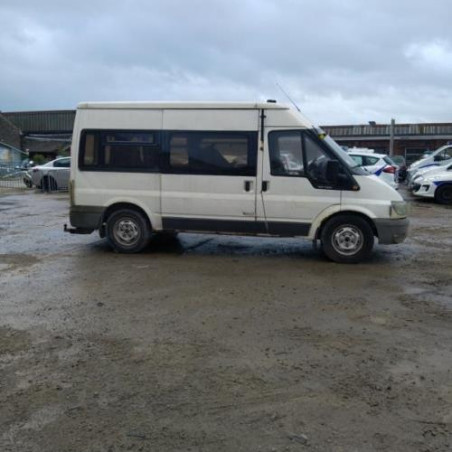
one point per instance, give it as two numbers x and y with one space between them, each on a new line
391 138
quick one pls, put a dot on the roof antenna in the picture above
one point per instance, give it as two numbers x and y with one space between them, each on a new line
288 97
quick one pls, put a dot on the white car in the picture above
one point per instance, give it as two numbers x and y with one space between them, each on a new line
428 172
53 175
380 165
442 156
437 185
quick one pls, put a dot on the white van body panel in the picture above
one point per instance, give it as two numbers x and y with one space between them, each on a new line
373 198
226 197
130 119
210 120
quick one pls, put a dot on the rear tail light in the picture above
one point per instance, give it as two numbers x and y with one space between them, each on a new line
389 169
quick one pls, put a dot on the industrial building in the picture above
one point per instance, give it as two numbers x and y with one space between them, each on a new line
49 133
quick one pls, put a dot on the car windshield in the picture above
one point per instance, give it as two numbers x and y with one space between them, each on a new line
389 160
341 153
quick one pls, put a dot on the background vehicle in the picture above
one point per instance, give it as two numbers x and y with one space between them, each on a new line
379 164
437 186
53 175
428 172
442 156
400 161
27 179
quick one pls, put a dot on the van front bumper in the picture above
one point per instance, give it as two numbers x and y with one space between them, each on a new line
391 230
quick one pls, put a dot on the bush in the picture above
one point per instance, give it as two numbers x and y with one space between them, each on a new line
39 159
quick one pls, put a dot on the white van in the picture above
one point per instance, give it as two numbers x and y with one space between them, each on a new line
229 168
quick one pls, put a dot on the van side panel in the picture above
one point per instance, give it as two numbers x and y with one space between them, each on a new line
104 188
245 120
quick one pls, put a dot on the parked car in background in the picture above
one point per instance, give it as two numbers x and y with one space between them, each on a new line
442 156
53 175
435 184
378 164
400 161
428 172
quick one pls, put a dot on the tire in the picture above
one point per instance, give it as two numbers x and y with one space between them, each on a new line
347 239
443 194
28 183
48 183
127 231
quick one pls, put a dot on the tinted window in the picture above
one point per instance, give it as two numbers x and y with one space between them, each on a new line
63 163
219 153
119 151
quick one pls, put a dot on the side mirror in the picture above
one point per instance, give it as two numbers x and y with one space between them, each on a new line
437 158
332 171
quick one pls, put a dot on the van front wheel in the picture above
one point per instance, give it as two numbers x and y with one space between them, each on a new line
347 239
127 231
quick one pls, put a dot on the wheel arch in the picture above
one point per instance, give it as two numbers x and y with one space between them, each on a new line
362 215
122 205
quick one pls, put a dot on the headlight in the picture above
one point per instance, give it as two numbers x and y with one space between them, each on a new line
399 209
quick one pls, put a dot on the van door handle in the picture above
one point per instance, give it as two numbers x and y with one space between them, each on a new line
265 185
248 185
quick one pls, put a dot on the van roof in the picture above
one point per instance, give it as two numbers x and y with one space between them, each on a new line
183 105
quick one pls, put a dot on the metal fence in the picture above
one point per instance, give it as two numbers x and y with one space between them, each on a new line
16 178
12 177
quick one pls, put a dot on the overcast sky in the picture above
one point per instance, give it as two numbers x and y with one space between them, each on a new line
341 61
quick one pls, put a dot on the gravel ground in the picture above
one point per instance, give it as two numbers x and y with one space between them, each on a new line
209 343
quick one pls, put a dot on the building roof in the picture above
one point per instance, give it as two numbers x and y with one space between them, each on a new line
184 105
56 121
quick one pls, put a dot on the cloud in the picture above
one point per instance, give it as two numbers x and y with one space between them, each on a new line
433 56
341 60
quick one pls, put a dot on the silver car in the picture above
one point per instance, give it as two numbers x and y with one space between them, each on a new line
53 175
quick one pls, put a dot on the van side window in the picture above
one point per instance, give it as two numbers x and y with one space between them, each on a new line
286 156
213 153
297 153
110 150
316 162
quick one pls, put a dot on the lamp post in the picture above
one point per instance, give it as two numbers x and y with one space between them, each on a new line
391 137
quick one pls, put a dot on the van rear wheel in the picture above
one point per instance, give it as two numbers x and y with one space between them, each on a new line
127 231
347 239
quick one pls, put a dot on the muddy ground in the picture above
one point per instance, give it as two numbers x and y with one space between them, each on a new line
206 343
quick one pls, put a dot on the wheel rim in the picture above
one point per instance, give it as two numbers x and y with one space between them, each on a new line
126 232
347 240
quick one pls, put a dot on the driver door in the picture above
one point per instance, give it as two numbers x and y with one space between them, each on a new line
294 188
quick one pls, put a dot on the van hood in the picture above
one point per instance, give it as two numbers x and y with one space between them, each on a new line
373 187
